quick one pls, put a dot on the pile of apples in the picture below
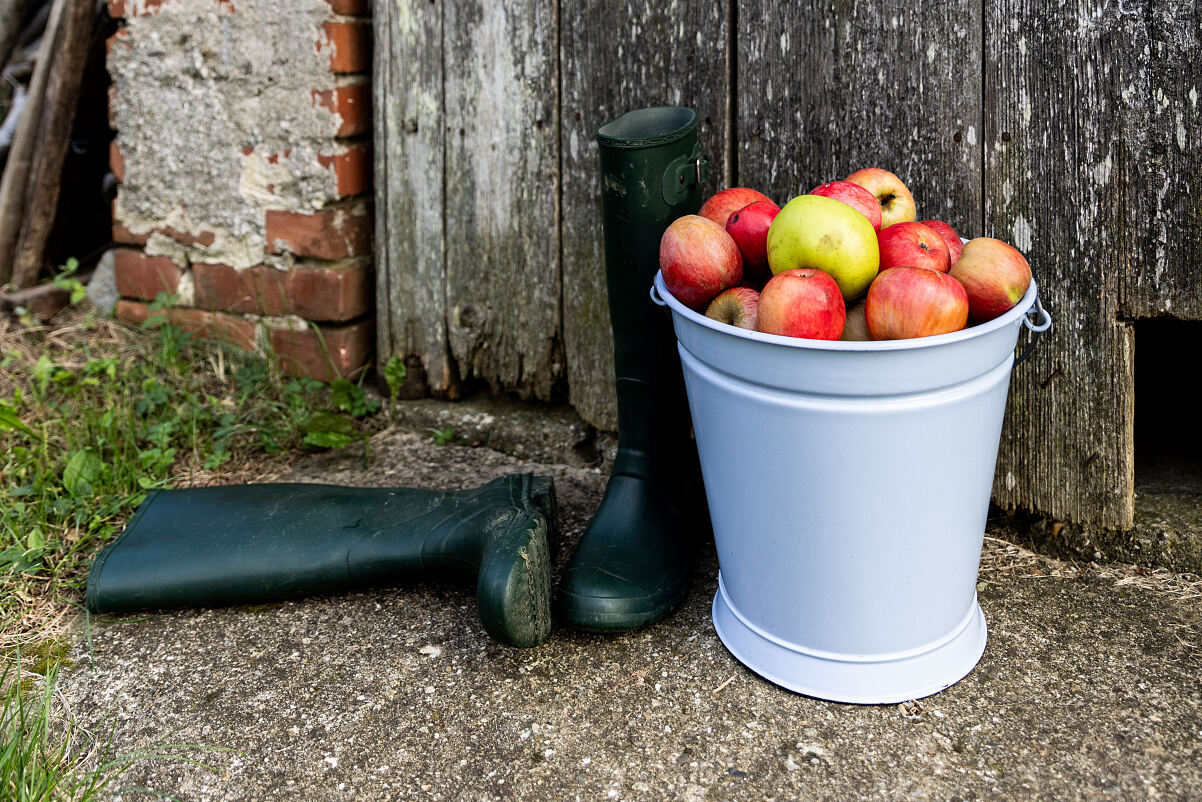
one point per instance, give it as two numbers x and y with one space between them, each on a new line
845 261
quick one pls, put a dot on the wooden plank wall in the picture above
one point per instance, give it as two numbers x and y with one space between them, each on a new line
1093 164
1048 185
1072 131
826 87
617 57
409 121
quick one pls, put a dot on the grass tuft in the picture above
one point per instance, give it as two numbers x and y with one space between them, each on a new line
93 415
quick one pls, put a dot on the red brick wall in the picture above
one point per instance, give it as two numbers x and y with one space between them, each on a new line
288 269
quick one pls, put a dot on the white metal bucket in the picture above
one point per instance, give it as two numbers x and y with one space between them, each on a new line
848 485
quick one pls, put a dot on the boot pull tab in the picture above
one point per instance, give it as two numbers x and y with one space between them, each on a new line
684 173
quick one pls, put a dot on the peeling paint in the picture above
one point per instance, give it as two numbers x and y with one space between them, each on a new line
204 95
1022 234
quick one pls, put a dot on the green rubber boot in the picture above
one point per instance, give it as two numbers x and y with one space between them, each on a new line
632 565
248 544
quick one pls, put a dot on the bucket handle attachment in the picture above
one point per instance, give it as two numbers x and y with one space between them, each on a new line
1042 323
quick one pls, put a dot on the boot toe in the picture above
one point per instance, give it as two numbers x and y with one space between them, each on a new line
631 567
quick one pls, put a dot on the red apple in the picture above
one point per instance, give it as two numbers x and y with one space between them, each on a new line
749 229
722 205
914 302
950 238
897 204
856 327
995 276
803 302
698 260
738 306
912 245
854 196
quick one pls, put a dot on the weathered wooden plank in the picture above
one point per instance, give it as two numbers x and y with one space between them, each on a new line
1156 91
502 189
409 133
616 57
827 87
54 134
1061 185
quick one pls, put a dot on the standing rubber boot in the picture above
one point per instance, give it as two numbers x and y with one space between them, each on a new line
632 565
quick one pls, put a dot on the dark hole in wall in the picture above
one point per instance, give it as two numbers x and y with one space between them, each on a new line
1168 406
83 223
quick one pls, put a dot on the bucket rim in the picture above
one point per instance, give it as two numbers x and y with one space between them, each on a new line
1011 317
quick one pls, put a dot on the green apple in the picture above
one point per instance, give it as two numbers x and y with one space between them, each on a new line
813 231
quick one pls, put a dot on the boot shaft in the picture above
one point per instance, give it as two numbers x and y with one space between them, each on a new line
651 174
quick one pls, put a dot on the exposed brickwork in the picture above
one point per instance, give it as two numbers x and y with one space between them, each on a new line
325 293
335 232
144 277
350 7
120 9
121 37
327 353
218 326
131 312
124 236
352 168
352 104
257 181
349 43
260 290
332 294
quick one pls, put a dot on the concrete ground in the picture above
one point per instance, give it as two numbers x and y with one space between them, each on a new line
1090 686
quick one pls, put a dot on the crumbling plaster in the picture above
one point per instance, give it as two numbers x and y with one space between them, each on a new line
217 122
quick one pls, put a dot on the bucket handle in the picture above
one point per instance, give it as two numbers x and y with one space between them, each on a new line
1042 323
655 299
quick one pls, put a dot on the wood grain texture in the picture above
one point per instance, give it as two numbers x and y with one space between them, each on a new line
617 57
54 134
21 154
827 87
1155 90
409 132
502 215
1067 158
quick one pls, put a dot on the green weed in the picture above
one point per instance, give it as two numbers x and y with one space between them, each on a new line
94 415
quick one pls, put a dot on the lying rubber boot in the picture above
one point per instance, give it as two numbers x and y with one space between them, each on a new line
249 544
632 565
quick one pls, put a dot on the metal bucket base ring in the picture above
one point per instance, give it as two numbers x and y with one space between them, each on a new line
856 679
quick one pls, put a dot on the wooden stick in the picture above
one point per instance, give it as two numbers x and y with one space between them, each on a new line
12 186
12 15
54 136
